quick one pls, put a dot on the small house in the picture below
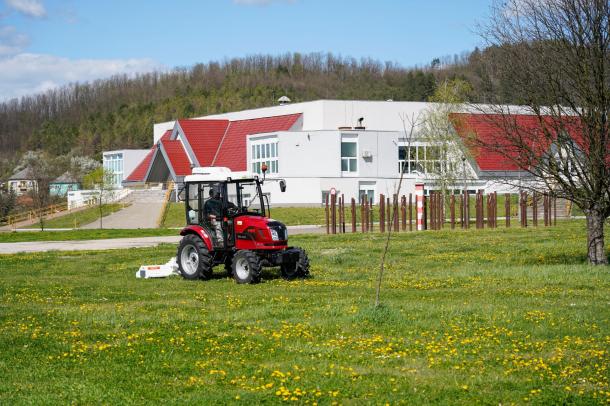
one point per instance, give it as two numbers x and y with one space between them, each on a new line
22 182
62 185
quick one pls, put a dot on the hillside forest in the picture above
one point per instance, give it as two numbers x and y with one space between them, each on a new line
84 119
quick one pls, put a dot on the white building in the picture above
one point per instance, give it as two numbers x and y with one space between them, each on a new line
351 147
121 163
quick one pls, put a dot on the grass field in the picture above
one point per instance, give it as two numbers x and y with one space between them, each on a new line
80 218
175 216
468 317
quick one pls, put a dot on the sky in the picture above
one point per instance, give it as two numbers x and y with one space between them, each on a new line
49 43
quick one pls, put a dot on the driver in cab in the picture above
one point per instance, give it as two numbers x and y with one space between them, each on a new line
213 211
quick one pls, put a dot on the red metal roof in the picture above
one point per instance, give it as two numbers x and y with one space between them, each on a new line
212 138
496 130
232 151
138 174
204 137
178 159
166 135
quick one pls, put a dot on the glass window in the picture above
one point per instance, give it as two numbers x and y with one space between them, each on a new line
266 153
349 153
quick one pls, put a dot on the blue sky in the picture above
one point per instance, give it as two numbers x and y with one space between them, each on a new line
47 43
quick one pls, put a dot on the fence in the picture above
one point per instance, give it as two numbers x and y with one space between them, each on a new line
437 211
30 215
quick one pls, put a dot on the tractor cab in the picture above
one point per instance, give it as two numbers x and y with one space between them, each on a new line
214 204
227 217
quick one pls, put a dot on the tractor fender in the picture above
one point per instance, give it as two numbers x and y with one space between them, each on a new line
200 232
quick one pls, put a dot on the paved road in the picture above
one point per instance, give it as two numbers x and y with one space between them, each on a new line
83 245
137 215
114 243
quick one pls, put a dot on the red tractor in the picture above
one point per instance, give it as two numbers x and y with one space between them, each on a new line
228 223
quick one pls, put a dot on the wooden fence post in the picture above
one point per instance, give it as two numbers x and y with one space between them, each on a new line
535 209
452 210
495 209
326 212
524 209
370 216
425 207
342 213
381 213
507 209
410 212
353 215
333 213
388 215
362 221
395 213
554 210
403 212
461 207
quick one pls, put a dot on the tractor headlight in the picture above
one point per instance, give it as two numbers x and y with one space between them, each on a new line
274 235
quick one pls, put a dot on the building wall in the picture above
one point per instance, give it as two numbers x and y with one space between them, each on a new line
21 187
122 162
310 161
327 115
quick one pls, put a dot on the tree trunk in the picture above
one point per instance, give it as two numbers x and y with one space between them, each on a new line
595 238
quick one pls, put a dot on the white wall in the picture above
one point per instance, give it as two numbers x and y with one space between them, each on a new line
310 161
326 114
131 159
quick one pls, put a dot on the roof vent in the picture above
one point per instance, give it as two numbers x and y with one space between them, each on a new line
284 100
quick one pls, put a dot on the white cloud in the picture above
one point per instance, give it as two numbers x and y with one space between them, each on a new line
11 41
261 2
31 8
25 73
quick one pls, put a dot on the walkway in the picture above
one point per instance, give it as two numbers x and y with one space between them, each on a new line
143 212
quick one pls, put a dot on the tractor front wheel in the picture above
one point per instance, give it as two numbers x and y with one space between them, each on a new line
246 267
194 260
299 269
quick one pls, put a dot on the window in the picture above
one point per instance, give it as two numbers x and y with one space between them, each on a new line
349 156
366 189
420 158
265 152
113 163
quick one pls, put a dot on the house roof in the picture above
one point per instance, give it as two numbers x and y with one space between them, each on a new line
203 137
24 174
65 178
177 156
213 143
138 174
496 130
232 151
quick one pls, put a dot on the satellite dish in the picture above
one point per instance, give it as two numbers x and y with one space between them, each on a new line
283 100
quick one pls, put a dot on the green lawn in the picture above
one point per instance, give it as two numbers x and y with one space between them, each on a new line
175 216
80 218
469 317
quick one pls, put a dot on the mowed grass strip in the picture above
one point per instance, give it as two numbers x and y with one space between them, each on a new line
468 317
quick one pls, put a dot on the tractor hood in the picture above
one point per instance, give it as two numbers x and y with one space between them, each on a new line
262 230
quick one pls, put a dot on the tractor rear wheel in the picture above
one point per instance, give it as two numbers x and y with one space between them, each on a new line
194 259
246 267
299 269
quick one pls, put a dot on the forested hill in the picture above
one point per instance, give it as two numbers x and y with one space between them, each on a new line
119 112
